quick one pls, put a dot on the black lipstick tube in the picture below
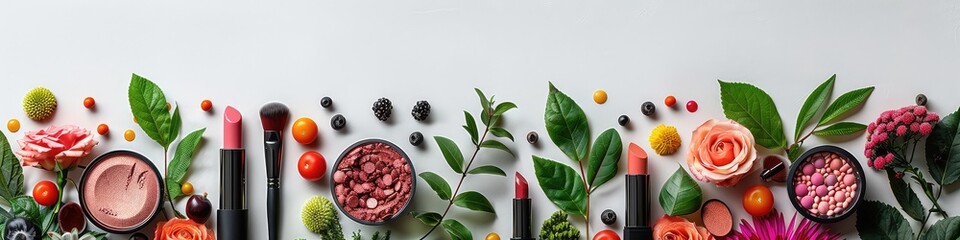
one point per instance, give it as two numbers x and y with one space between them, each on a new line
521 220
232 215
638 208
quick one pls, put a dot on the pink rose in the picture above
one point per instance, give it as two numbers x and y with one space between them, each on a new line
64 145
721 152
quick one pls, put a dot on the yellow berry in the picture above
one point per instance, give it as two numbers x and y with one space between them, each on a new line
600 96
129 135
186 188
493 236
13 125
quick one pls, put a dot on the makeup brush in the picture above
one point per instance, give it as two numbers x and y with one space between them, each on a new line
274 117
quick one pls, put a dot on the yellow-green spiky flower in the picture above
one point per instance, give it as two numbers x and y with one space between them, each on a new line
319 215
39 104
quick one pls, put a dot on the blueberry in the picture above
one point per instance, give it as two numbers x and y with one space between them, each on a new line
326 102
533 137
608 217
416 138
623 120
338 122
648 108
921 99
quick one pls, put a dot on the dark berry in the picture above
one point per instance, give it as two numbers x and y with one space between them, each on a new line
921 100
326 102
532 137
623 120
608 217
382 108
199 208
416 138
648 108
692 106
338 122
138 236
421 110
21 228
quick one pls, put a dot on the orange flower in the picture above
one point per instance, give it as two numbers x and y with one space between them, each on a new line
182 229
678 228
721 152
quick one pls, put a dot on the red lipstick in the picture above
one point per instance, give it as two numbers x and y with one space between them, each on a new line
638 196
232 214
521 210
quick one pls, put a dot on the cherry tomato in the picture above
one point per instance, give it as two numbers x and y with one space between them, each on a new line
186 188
758 200
89 103
492 236
13 125
46 193
670 101
305 130
606 235
129 135
206 105
103 129
312 166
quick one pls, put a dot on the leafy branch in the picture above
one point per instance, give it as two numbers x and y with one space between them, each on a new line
490 116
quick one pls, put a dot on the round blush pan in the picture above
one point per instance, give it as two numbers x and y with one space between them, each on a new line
716 217
373 181
826 184
120 191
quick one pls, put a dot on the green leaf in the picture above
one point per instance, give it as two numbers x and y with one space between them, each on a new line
451 152
947 228
488 169
500 132
503 108
680 195
795 152
474 201
561 184
438 184
567 124
456 230
149 107
877 220
943 150
815 101
908 199
48 222
604 158
840 129
175 124
754 109
25 206
471 127
494 144
11 174
845 103
427 218
182 159
486 112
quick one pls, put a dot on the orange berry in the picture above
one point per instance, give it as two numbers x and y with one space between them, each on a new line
13 125
670 101
103 129
129 135
206 105
168 106
89 103
600 96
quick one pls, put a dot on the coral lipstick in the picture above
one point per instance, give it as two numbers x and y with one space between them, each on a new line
521 209
638 196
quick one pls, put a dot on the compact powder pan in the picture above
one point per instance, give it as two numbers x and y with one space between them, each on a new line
121 191
717 217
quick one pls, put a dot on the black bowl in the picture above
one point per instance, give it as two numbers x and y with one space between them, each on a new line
413 181
857 170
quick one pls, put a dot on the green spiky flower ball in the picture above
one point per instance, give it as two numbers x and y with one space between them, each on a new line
319 214
558 228
39 104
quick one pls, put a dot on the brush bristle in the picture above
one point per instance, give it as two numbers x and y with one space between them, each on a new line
274 116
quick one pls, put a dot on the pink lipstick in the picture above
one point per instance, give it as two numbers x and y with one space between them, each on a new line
521 209
232 215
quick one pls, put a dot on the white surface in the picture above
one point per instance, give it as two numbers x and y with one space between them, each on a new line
247 53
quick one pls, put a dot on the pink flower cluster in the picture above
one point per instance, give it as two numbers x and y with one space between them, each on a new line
893 129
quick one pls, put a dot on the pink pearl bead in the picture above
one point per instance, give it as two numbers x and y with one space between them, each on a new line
821 191
817 179
801 189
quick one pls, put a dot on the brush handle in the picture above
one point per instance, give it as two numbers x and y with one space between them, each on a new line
273 209
273 149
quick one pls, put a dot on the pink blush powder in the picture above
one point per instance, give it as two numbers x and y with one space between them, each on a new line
121 192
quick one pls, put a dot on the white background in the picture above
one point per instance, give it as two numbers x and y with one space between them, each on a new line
246 53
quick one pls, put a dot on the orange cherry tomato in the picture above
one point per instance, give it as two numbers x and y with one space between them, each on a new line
129 135
606 234
206 105
758 200
103 129
46 193
305 130
13 125
670 101
312 166
89 103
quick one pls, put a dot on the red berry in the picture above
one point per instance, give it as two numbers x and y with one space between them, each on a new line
692 106
670 101
206 105
103 129
89 103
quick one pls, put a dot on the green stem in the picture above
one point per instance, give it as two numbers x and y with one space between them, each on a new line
586 210
166 174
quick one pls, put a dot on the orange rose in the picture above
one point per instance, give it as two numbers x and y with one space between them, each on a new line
182 229
721 152
678 228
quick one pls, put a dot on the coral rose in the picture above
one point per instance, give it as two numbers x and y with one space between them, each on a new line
182 229
721 152
64 145
678 228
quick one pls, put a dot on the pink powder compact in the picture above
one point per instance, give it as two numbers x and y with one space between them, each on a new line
120 191
373 181
826 184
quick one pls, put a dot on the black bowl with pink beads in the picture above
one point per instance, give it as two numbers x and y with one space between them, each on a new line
826 184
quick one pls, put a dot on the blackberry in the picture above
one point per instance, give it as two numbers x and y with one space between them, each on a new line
608 217
326 102
338 122
416 138
382 108
421 111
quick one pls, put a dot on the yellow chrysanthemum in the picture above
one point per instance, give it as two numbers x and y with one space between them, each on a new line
665 140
